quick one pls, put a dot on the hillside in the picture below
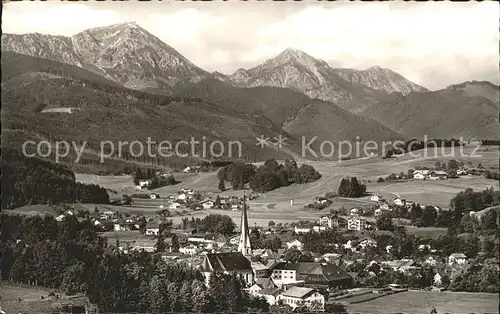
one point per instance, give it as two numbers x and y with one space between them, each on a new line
379 78
350 89
295 112
124 53
108 112
479 89
439 114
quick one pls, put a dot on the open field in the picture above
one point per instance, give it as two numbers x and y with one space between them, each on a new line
421 302
31 299
275 205
11 292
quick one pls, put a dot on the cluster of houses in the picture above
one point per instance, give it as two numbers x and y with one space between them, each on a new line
265 272
430 175
385 205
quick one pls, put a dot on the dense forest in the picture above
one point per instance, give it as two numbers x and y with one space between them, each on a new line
27 180
69 256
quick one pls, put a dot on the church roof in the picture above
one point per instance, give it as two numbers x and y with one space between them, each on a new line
233 261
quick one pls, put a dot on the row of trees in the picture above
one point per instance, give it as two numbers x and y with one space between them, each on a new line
213 223
69 256
268 177
414 145
27 180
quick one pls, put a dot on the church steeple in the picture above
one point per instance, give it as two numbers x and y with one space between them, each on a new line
244 246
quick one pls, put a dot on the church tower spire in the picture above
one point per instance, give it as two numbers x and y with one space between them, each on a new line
244 246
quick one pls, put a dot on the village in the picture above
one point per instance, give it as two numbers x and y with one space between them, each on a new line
285 273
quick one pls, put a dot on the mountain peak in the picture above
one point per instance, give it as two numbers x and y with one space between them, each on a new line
375 68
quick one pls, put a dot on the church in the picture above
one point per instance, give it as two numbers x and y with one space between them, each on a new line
239 262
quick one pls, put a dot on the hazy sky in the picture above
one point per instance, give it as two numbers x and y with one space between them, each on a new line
432 44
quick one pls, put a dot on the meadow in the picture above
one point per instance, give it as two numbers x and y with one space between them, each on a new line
421 302
276 205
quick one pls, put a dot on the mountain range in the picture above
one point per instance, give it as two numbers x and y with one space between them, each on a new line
292 93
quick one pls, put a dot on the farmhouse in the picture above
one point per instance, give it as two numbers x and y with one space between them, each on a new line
376 198
297 296
419 176
438 175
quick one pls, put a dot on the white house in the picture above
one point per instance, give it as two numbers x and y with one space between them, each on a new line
438 278
457 258
375 198
295 243
319 228
384 206
354 211
266 288
430 261
367 242
152 229
378 211
326 221
208 204
145 183
235 207
356 223
301 230
297 296
154 196
400 202
60 218
190 249
461 172
419 176
174 205
182 196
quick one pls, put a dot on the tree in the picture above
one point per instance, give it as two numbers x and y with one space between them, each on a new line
336 307
160 245
429 216
350 187
384 221
175 243
217 202
222 187
292 255
306 174
126 200
264 181
138 176
452 165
